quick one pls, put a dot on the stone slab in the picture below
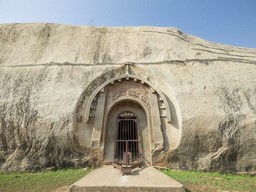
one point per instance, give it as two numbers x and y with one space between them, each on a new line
108 179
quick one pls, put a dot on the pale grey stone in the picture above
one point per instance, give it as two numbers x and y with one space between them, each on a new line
51 77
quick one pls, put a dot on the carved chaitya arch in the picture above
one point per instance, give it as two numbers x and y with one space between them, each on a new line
119 90
165 107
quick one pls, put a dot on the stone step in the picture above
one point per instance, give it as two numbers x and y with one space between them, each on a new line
109 179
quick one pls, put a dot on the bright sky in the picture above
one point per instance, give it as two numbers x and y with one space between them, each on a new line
230 22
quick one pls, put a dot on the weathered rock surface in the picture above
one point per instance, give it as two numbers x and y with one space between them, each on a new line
46 70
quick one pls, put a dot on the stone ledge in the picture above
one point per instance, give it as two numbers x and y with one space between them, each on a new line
108 179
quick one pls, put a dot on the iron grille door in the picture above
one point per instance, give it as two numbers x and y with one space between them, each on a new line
127 142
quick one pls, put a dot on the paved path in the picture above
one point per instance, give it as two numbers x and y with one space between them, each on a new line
108 179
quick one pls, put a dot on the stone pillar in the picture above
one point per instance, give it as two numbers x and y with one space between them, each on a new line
156 122
98 120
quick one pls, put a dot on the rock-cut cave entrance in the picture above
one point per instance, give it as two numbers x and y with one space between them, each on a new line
127 132
107 127
127 139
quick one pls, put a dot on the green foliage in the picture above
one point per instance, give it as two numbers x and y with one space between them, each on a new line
216 181
40 181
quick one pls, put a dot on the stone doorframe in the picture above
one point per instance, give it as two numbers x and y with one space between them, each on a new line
120 86
135 89
111 129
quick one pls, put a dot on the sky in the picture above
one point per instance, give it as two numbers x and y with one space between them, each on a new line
231 22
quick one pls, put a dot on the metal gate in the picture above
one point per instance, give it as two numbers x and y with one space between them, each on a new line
127 140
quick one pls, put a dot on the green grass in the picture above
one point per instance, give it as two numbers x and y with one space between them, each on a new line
49 181
213 181
40 181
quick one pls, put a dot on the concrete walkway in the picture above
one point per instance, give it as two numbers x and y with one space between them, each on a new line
109 179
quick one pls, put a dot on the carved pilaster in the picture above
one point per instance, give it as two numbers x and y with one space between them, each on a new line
98 120
156 123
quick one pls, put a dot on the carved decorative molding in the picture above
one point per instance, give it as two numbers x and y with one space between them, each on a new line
129 93
128 90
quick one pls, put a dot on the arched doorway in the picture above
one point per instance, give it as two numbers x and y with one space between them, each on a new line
127 147
113 93
127 131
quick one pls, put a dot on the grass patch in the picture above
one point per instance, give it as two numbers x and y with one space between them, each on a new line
40 181
202 181
49 181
